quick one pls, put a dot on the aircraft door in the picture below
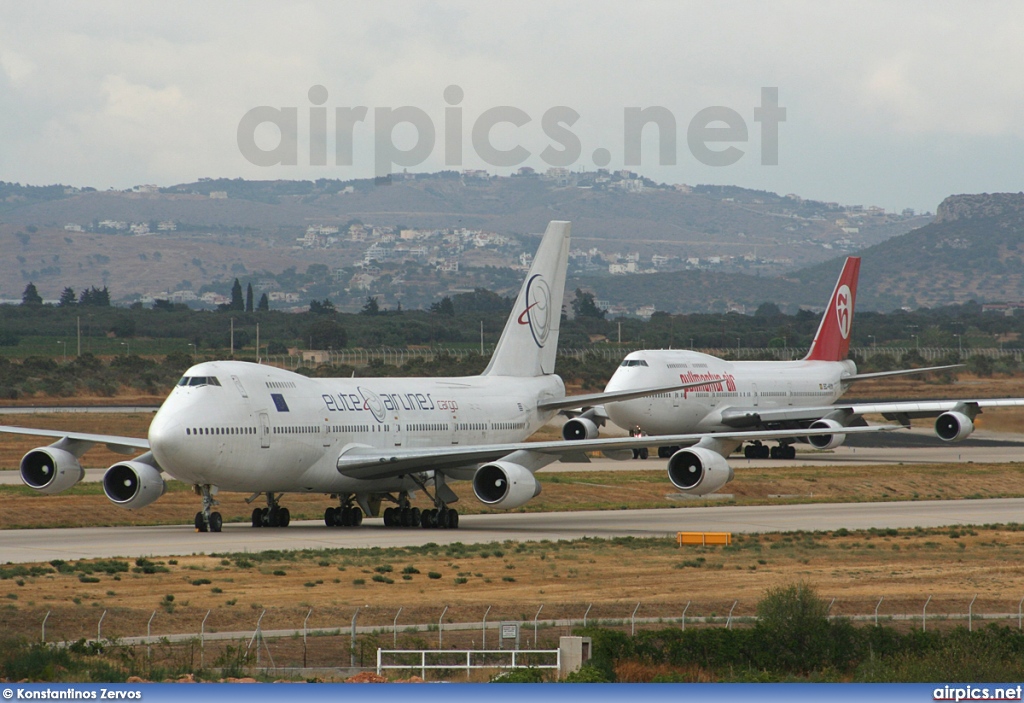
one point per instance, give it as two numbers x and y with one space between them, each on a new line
328 436
264 431
754 386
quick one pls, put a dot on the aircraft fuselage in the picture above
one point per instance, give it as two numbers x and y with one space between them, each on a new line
259 428
750 385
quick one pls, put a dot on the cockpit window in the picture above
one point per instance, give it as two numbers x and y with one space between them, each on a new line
633 362
198 381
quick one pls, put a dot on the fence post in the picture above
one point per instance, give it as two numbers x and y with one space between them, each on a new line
440 628
535 624
591 605
257 636
970 614
877 607
149 638
632 624
99 627
924 614
683 619
728 621
828 613
44 625
483 643
395 645
202 641
1020 622
304 637
352 640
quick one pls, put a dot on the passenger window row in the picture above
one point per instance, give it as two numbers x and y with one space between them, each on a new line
190 431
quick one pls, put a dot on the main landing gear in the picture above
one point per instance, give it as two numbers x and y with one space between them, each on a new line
348 514
271 516
756 450
441 517
207 520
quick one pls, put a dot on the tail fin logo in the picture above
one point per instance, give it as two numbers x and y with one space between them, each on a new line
538 309
844 303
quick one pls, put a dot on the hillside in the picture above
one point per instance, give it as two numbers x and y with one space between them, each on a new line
56 236
972 251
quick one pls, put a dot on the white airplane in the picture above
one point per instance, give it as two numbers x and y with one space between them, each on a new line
766 395
244 427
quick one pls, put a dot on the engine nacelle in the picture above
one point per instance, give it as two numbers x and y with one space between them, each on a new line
953 426
133 484
697 471
579 428
826 441
502 484
51 470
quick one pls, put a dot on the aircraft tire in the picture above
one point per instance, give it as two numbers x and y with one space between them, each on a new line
200 522
216 522
329 516
257 517
283 517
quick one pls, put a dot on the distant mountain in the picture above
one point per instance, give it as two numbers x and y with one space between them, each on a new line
215 229
972 251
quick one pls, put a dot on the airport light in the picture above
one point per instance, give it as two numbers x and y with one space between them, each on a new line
193 352
127 348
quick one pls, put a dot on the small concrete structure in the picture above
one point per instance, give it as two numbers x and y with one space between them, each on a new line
574 652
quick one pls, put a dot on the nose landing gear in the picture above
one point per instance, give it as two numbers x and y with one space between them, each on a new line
207 520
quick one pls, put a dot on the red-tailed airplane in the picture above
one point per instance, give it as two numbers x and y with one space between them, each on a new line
766 395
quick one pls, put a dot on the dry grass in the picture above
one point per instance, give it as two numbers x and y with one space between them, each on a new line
857 568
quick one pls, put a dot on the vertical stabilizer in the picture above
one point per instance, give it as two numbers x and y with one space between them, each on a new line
530 339
832 341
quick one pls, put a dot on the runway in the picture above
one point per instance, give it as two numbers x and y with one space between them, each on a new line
23 546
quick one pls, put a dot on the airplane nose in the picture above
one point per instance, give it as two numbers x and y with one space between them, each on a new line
165 433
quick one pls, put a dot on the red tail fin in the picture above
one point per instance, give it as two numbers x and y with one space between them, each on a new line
832 342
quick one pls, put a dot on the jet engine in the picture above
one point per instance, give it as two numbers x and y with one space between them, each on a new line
133 484
953 426
698 471
579 428
503 484
51 470
826 441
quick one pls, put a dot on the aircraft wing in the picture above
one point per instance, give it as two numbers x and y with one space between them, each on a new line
899 372
122 445
895 410
363 462
581 401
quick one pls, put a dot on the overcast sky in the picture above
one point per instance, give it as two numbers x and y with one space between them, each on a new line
890 104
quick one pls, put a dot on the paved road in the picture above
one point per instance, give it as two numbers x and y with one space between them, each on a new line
21 546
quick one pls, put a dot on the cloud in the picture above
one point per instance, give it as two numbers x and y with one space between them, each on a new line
118 93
